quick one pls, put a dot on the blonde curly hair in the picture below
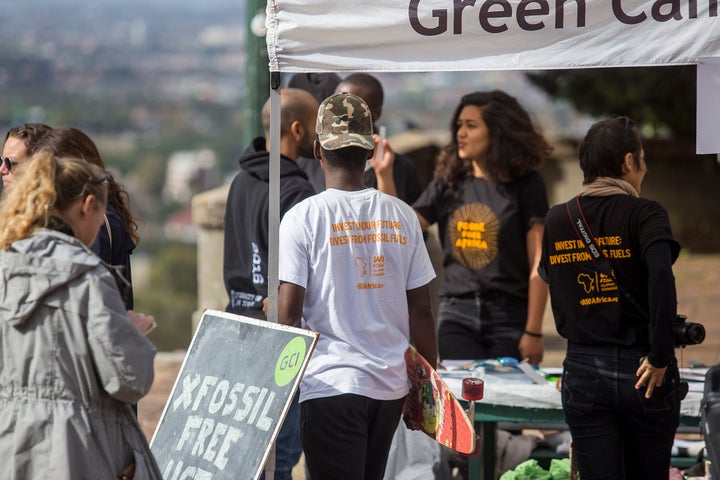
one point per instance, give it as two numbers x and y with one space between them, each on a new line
46 188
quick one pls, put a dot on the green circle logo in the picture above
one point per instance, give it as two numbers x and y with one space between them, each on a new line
290 361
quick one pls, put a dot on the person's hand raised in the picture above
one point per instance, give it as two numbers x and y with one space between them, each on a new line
383 157
382 163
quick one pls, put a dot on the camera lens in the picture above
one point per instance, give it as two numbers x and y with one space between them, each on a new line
694 333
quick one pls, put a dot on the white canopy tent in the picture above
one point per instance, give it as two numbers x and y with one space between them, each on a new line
465 35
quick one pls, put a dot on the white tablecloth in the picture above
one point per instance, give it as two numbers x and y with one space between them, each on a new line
515 391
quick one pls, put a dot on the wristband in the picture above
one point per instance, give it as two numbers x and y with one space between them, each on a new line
533 334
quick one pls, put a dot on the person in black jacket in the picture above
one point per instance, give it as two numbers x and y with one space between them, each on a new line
320 86
621 390
245 265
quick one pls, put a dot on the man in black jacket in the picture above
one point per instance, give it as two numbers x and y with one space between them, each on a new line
320 86
246 215
245 265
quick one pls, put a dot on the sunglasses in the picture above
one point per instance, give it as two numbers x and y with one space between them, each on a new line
8 163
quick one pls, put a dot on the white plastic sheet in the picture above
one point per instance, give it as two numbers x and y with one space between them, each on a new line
528 395
708 105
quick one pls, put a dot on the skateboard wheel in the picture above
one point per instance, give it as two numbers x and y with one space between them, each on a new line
473 388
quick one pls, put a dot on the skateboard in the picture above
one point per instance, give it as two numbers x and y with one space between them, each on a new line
431 407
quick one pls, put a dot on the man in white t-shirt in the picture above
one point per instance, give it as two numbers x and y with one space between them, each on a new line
353 267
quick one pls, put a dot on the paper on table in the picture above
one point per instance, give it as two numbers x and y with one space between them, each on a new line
461 369
535 375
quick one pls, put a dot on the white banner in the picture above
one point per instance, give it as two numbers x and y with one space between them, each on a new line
457 35
708 100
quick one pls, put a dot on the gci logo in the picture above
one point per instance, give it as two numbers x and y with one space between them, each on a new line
290 361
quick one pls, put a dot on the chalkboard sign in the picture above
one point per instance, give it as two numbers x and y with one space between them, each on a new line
230 397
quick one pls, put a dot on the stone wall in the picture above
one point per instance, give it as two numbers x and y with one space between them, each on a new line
208 212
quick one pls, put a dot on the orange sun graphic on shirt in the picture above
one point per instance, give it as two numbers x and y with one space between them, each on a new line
474 230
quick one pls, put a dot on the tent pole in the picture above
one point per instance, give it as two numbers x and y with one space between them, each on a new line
274 201
273 223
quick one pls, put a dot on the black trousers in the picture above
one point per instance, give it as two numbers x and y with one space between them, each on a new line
348 436
486 326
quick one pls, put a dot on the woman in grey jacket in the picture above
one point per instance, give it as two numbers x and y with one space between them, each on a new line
73 358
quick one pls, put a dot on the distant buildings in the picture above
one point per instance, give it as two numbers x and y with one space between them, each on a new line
188 173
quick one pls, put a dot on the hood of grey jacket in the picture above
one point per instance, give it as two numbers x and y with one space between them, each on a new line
37 266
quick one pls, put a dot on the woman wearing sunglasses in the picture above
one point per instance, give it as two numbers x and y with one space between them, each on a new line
20 144
118 236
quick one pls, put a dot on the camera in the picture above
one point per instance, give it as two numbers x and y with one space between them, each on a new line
688 333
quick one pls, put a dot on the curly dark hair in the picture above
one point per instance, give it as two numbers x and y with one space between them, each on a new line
516 147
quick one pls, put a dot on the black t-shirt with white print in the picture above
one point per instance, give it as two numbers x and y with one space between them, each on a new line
483 227
587 305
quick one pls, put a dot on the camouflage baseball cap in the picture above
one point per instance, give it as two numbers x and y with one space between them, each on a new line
344 120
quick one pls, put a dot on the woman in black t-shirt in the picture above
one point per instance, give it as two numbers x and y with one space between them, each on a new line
489 202
620 387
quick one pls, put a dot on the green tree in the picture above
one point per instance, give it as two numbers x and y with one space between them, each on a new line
171 295
661 99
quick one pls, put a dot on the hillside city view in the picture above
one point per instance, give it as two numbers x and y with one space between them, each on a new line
153 83
159 85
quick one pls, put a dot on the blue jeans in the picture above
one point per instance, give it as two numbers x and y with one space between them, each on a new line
617 432
287 444
488 325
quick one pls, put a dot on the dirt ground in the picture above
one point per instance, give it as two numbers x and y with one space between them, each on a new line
698 288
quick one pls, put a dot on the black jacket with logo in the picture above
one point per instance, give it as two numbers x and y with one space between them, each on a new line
589 309
245 265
